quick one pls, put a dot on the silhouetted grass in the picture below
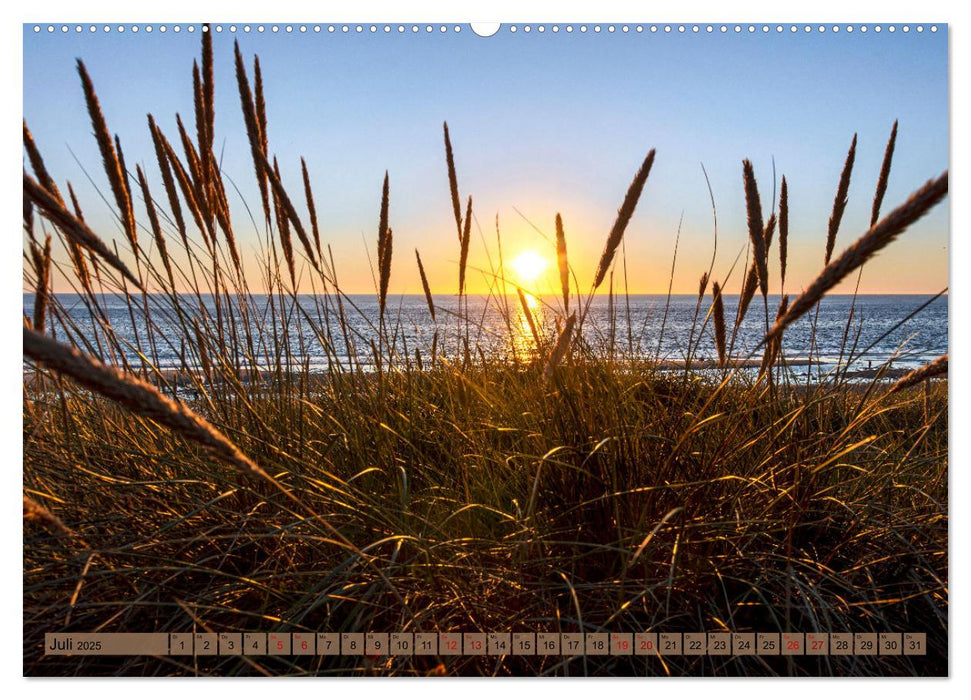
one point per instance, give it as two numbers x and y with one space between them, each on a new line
557 487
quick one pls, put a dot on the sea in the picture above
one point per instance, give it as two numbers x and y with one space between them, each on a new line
858 334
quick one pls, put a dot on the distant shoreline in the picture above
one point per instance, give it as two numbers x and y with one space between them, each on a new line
182 377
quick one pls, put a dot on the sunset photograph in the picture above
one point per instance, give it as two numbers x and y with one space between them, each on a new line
513 350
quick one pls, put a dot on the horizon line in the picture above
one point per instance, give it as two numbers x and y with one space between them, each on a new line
945 292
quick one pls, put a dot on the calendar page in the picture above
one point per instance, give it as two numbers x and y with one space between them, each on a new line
520 349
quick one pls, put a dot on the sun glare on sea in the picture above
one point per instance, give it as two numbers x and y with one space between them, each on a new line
528 266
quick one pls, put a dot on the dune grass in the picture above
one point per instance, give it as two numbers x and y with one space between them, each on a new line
556 487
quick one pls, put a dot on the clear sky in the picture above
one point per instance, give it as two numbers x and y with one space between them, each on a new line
542 123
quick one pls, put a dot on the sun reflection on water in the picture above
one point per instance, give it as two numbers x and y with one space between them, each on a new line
527 322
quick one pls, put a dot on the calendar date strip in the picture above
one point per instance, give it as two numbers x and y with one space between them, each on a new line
377 644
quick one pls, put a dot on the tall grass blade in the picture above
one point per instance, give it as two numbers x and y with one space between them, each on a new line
624 215
109 156
137 396
561 348
753 208
424 285
783 231
937 368
839 204
868 245
562 263
73 227
252 130
464 246
884 175
453 185
718 312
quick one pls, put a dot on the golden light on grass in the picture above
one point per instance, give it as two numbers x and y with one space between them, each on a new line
528 266
529 320
523 466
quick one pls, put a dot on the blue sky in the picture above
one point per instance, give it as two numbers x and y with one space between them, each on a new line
542 123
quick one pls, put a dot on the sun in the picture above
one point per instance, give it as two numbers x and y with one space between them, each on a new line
528 266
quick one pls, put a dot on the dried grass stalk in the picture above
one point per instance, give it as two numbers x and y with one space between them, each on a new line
775 344
35 512
201 125
259 104
154 223
167 180
273 175
137 396
561 348
385 268
77 254
124 177
192 161
753 208
884 175
75 203
868 245
783 229
562 263
384 245
73 227
453 185
464 246
624 215
252 130
109 157
37 164
745 300
42 269
188 193
309 194
208 94
424 285
839 204
936 368
283 226
197 179
28 212
718 313
214 205
529 316
767 234
221 210
385 202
